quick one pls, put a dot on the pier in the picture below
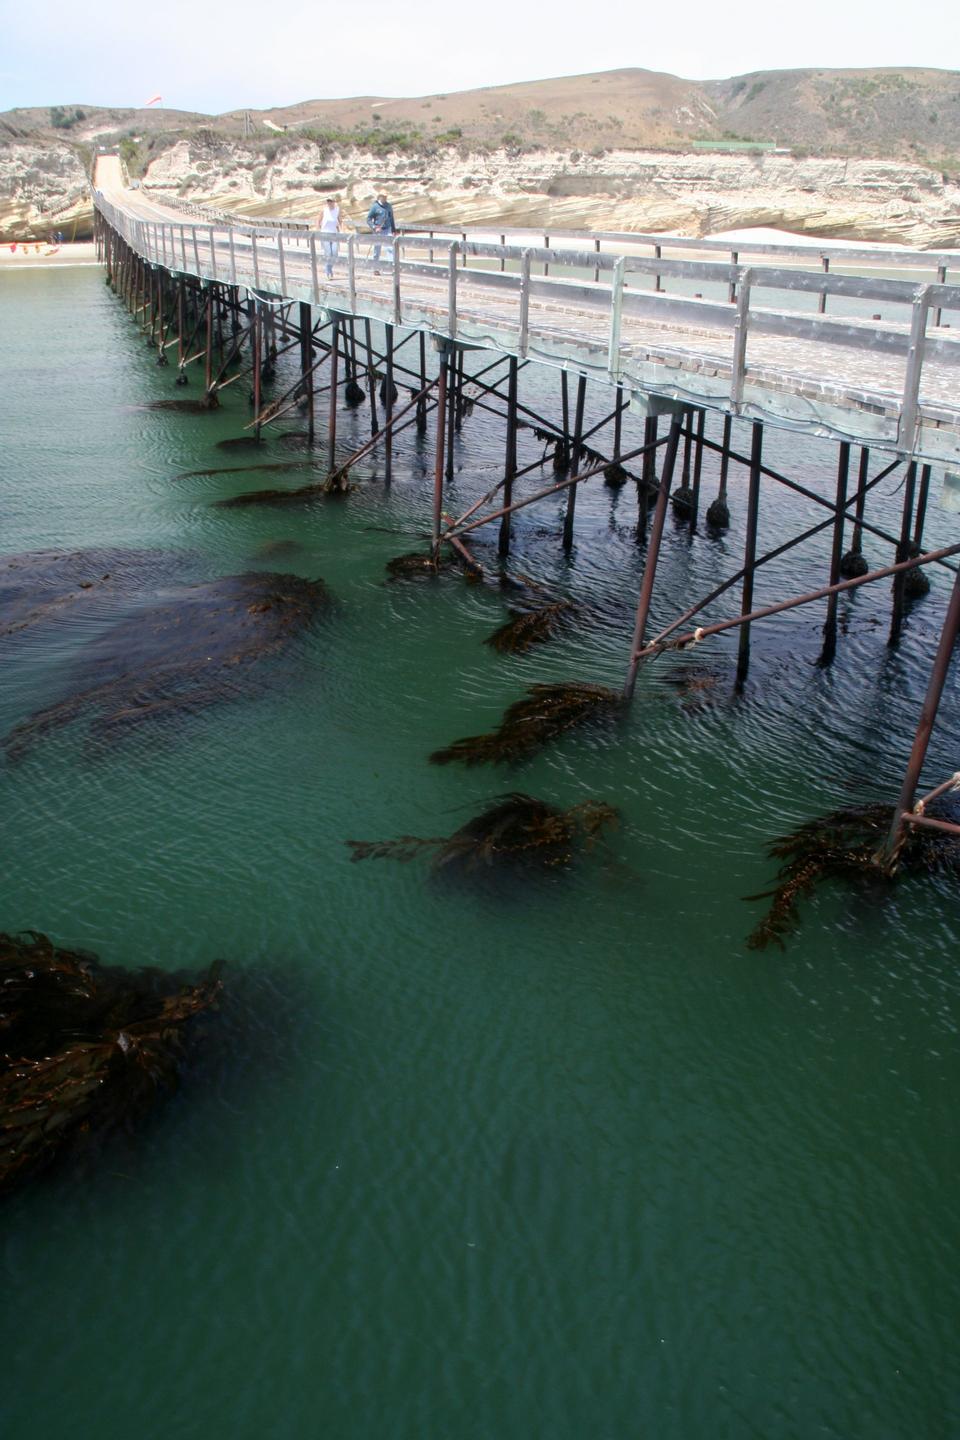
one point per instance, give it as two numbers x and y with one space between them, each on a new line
868 360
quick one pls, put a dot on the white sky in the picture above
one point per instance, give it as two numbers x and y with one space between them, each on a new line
220 56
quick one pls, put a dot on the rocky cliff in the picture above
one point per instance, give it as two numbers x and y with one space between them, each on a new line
42 187
694 194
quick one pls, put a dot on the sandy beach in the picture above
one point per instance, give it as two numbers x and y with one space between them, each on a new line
27 254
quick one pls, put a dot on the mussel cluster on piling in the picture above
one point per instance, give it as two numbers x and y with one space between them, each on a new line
201 645
86 1050
515 831
843 845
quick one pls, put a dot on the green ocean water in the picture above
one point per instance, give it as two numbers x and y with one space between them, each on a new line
564 1160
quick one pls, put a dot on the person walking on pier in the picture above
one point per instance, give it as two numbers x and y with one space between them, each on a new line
381 221
330 224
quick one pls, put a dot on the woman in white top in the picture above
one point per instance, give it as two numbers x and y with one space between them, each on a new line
330 225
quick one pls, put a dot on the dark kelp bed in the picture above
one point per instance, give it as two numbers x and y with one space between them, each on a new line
844 846
41 585
86 1050
517 831
199 645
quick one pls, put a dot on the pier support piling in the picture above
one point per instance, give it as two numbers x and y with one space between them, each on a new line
750 552
653 555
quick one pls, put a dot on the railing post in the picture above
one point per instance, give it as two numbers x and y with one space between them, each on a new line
452 290
314 273
256 261
596 268
906 434
396 281
822 303
732 287
351 268
941 280
233 259
616 309
740 338
524 303
196 250
183 247
283 267
213 254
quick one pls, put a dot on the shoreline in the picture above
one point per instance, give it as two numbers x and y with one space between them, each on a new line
38 255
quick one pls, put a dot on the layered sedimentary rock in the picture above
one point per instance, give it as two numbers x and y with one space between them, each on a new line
41 188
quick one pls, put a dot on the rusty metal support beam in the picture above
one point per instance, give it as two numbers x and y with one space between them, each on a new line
653 554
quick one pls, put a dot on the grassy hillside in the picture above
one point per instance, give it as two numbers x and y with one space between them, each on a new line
895 114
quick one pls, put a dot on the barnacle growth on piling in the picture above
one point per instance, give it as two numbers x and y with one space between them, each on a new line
86 1050
516 830
547 710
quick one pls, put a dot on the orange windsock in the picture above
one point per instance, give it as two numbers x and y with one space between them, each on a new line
155 101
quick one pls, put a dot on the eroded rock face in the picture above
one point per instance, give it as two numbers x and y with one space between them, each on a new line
693 194
43 187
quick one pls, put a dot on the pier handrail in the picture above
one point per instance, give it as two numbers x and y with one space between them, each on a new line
279 262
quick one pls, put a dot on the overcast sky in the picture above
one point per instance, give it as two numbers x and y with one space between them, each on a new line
215 57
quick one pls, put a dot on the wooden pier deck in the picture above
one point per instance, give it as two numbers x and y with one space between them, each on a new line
892 383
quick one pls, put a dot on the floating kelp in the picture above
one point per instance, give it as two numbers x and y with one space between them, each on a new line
86 1050
415 566
696 686
336 483
248 469
527 628
195 649
516 830
279 549
183 407
546 712
239 442
39 584
843 845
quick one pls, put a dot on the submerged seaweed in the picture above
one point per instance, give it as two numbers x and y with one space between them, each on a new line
526 628
37 585
86 1050
843 845
516 830
415 566
546 712
194 649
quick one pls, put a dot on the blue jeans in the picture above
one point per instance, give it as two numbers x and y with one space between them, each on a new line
331 250
387 236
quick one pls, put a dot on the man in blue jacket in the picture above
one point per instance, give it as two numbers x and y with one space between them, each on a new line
380 219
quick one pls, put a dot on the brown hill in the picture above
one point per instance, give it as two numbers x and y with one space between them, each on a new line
891 113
